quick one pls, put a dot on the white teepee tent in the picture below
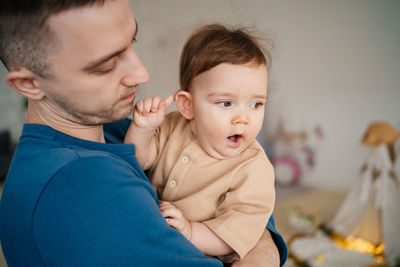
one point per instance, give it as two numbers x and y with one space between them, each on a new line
371 210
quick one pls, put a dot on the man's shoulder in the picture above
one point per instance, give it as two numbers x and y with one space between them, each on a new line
53 153
46 167
39 159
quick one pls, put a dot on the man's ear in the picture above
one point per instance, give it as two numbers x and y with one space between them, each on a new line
183 101
24 82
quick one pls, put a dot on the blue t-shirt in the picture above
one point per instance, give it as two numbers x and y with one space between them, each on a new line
71 202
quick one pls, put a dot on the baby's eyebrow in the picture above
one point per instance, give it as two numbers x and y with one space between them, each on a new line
261 96
220 94
227 94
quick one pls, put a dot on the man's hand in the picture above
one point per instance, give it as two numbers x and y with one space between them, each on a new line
174 217
263 254
149 113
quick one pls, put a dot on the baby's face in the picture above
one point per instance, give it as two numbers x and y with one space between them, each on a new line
228 107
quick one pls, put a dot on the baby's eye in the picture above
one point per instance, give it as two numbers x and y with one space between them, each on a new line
225 103
256 105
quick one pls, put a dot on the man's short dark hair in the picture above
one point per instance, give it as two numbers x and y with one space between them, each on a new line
25 38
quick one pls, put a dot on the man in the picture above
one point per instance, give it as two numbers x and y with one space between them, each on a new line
74 195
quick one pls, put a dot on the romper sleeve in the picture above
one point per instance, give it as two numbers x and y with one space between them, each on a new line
241 217
160 138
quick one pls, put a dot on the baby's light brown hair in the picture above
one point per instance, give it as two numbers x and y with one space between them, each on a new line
215 44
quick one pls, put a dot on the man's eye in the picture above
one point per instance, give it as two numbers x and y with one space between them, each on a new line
256 105
108 67
225 103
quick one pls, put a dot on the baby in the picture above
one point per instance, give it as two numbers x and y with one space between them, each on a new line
216 182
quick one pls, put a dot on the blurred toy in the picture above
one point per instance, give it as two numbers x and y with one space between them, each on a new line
371 210
301 221
293 153
380 132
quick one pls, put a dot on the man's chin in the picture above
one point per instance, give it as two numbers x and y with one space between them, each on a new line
104 119
120 117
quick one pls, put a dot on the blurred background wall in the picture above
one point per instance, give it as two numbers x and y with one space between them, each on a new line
12 111
336 64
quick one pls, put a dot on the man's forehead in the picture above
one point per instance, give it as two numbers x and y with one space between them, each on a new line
86 34
83 16
93 20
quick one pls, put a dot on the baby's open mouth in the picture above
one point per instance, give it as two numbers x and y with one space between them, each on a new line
234 139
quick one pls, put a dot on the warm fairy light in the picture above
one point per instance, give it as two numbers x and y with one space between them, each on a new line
360 245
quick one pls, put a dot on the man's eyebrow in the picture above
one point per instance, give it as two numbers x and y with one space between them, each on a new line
106 58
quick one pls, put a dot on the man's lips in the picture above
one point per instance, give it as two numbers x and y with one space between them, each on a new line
132 95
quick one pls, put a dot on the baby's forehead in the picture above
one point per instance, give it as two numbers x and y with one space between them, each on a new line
226 78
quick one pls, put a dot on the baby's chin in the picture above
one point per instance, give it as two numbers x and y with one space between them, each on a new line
224 154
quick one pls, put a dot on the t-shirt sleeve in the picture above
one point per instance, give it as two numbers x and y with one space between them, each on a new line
107 216
241 217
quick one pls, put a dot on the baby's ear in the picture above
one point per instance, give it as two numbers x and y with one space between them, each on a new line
183 101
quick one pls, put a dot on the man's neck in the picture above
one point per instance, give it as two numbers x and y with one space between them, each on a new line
84 132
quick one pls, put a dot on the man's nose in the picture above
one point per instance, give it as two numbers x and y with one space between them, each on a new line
136 72
241 117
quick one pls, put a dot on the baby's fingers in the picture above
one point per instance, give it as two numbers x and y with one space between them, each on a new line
147 105
139 106
177 224
165 204
154 105
167 102
171 212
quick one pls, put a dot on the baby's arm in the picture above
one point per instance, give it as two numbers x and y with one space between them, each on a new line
148 115
196 232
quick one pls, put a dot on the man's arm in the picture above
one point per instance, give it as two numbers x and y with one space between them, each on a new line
263 254
271 250
107 215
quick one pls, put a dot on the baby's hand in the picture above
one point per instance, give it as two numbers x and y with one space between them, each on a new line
149 112
175 218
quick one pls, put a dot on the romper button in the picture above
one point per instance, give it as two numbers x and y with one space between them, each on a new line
172 183
185 159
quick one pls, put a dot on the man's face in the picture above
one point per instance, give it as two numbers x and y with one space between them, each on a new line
95 69
228 107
